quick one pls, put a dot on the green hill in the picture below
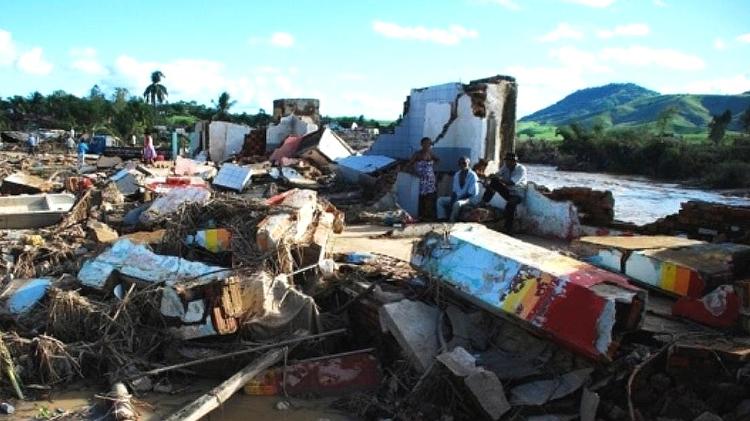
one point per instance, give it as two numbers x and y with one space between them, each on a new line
630 105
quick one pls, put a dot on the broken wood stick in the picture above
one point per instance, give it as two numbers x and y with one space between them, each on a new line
6 361
237 353
221 393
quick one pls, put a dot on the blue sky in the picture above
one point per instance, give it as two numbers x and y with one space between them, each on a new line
363 57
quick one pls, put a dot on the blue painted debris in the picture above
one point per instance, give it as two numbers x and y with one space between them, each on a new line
28 295
138 262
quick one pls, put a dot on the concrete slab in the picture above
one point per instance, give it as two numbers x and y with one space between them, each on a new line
636 242
570 301
690 270
488 392
370 238
414 325
541 391
233 177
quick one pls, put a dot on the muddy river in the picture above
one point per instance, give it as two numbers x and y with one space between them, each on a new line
637 199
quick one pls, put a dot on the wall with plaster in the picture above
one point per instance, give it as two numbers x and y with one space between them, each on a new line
460 119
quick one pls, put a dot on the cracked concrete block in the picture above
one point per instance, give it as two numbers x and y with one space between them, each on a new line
414 325
488 392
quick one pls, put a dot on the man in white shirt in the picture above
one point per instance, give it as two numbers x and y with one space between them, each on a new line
510 183
465 190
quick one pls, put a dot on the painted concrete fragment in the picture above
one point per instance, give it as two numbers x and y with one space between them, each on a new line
233 177
138 262
169 203
27 294
570 301
330 375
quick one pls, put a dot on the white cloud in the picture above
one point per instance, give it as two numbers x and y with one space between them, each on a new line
719 44
731 85
573 58
540 86
282 39
631 30
563 30
453 35
592 3
203 81
372 105
508 4
277 39
660 3
640 56
7 48
33 63
744 38
86 61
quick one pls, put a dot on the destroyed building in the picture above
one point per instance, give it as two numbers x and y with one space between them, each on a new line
297 273
477 120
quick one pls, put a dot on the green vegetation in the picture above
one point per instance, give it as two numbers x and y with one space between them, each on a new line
631 106
529 130
640 151
122 115
156 92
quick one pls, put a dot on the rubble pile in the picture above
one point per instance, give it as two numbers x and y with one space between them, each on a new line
706 221
594 207
138 279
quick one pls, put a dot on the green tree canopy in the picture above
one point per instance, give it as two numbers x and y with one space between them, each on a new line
718 126
156 92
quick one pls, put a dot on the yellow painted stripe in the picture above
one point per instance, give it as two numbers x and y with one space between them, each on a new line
513 300
668 276
211 244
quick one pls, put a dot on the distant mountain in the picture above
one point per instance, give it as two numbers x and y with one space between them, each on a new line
630 105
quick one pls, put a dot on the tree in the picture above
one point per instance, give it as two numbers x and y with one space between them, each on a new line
665 118
745 120
718 126
222 107
156 92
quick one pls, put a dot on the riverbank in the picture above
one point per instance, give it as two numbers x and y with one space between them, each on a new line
667 159
638 199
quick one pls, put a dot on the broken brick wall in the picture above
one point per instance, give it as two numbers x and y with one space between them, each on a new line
706 221
307 107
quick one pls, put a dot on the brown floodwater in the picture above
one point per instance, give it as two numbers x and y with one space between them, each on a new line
160 405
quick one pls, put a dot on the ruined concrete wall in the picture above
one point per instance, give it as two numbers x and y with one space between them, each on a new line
308 107
290 125
460 119
507 134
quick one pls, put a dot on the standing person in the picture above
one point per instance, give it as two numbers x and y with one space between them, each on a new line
32 143
423 161
70 144
510 183
149 152
465 191
132 141
83 149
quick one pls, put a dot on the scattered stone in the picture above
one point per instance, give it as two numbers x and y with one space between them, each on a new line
101 232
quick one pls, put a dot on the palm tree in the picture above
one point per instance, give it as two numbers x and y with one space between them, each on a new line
222 107
156 92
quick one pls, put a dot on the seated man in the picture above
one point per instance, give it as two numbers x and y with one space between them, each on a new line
510 183
465 190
